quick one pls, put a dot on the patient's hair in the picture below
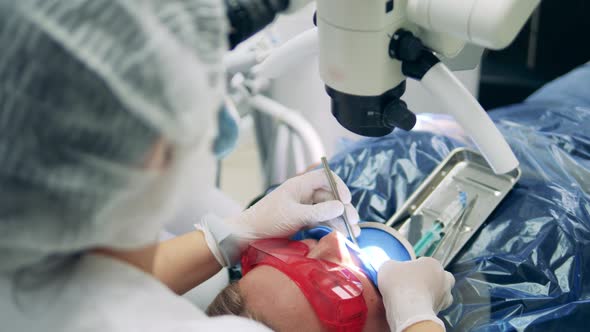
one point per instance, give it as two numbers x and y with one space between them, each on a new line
229 302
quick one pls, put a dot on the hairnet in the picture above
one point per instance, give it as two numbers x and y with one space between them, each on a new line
87 89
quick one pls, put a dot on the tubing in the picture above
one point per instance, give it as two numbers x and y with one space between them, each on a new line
310 138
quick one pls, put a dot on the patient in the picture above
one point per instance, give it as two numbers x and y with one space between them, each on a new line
269 296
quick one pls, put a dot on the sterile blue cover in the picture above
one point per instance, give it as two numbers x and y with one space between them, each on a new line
529 266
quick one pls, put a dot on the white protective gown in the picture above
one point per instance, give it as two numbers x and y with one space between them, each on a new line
101 294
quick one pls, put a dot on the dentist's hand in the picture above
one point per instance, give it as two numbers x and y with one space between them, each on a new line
302 201
414 292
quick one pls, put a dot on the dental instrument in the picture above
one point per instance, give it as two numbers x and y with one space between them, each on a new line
457 232
446 219
337 197
431 237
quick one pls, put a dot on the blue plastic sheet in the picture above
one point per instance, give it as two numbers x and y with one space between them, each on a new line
528 268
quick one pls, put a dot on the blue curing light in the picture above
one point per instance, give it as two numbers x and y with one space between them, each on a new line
383 243
377 244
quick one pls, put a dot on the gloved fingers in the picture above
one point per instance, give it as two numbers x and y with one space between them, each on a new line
322 195
343 190
351 214
353 219
317 180
321 212
338 225
388 268
450 279
448 298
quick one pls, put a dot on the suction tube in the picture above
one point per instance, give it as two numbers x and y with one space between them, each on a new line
458 102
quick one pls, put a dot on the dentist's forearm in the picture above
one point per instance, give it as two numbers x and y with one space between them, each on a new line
185 262
426 326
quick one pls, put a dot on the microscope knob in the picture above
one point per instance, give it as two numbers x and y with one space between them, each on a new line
397 114
404 46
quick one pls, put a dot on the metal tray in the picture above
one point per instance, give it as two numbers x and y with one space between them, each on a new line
464 171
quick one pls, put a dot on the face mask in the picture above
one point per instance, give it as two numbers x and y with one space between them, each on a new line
228 130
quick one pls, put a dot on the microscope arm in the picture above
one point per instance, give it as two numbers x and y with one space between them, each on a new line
489 23
457 101
289 55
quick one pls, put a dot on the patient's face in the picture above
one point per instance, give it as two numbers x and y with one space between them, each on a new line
275 299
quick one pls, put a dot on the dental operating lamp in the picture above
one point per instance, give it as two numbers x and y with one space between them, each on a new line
368 48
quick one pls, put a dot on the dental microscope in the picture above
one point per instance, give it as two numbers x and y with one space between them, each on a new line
368 48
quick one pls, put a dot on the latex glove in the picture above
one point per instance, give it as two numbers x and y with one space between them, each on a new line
414 291
302 201
296 5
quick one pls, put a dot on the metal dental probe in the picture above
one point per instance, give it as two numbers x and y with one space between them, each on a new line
456 232
334 188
